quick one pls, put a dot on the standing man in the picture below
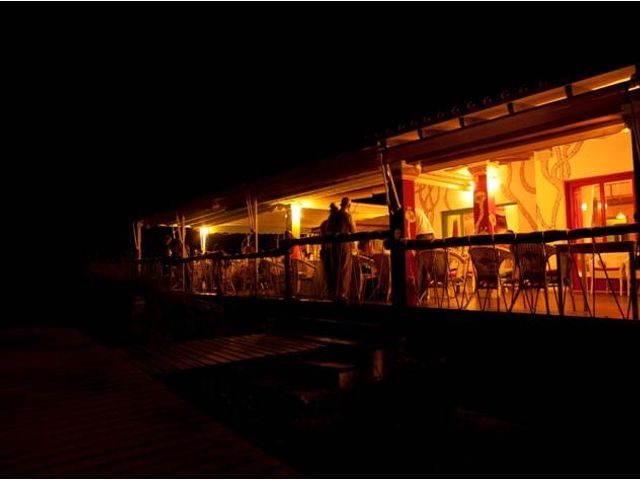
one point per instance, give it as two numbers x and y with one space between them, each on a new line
342 223
326 250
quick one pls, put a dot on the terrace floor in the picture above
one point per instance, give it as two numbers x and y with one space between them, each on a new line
602 305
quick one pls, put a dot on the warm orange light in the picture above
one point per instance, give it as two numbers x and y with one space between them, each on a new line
467 195
296 215
626 130
584 206
204 232
621 216
493 179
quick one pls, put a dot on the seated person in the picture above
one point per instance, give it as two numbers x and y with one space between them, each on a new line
424 229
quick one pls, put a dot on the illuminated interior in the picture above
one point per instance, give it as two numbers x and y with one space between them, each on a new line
530 189
523 185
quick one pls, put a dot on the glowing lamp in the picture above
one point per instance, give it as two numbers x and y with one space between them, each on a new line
493 179
204 232
296 215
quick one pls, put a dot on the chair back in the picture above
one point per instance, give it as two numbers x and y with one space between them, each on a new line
532 262
436 261
486 262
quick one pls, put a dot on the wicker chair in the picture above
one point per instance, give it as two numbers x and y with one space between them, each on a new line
486 263
440 271
532 260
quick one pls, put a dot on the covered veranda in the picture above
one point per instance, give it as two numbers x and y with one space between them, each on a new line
563 158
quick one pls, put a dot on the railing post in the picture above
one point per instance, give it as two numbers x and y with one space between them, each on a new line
560 274
402 182
288 290
219 275
184 276
398 262
138 244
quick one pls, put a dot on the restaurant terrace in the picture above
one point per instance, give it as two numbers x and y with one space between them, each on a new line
532 201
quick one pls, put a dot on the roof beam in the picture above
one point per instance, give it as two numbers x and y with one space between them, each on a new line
589 110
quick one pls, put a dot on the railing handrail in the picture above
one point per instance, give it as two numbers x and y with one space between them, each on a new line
339 238
545 236
276 252
215 256
251 278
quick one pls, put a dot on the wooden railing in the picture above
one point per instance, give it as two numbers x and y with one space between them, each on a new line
452 275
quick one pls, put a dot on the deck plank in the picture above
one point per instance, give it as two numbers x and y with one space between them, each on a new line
192 354
72 408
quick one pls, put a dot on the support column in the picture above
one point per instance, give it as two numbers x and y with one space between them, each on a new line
484 207
256 226
632 121
183 236
137 233
403 264
138 240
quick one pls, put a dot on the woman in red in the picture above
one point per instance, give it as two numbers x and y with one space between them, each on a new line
295 251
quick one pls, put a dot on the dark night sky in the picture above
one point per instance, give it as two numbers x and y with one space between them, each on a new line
142 108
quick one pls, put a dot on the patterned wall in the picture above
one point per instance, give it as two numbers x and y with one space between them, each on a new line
537 184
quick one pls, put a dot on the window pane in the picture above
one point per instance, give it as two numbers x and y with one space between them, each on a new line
588 199
618 202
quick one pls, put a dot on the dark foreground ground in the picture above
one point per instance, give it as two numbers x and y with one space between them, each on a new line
390 394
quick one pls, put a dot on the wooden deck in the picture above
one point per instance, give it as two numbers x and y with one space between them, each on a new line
605 304
174 357
70 408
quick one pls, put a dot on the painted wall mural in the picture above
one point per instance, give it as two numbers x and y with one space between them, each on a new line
543 177
523 180
505 187
428 199
556 169
536 183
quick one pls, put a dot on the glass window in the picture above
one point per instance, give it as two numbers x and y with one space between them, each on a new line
601 201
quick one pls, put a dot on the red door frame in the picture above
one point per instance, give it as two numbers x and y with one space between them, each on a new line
571 185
